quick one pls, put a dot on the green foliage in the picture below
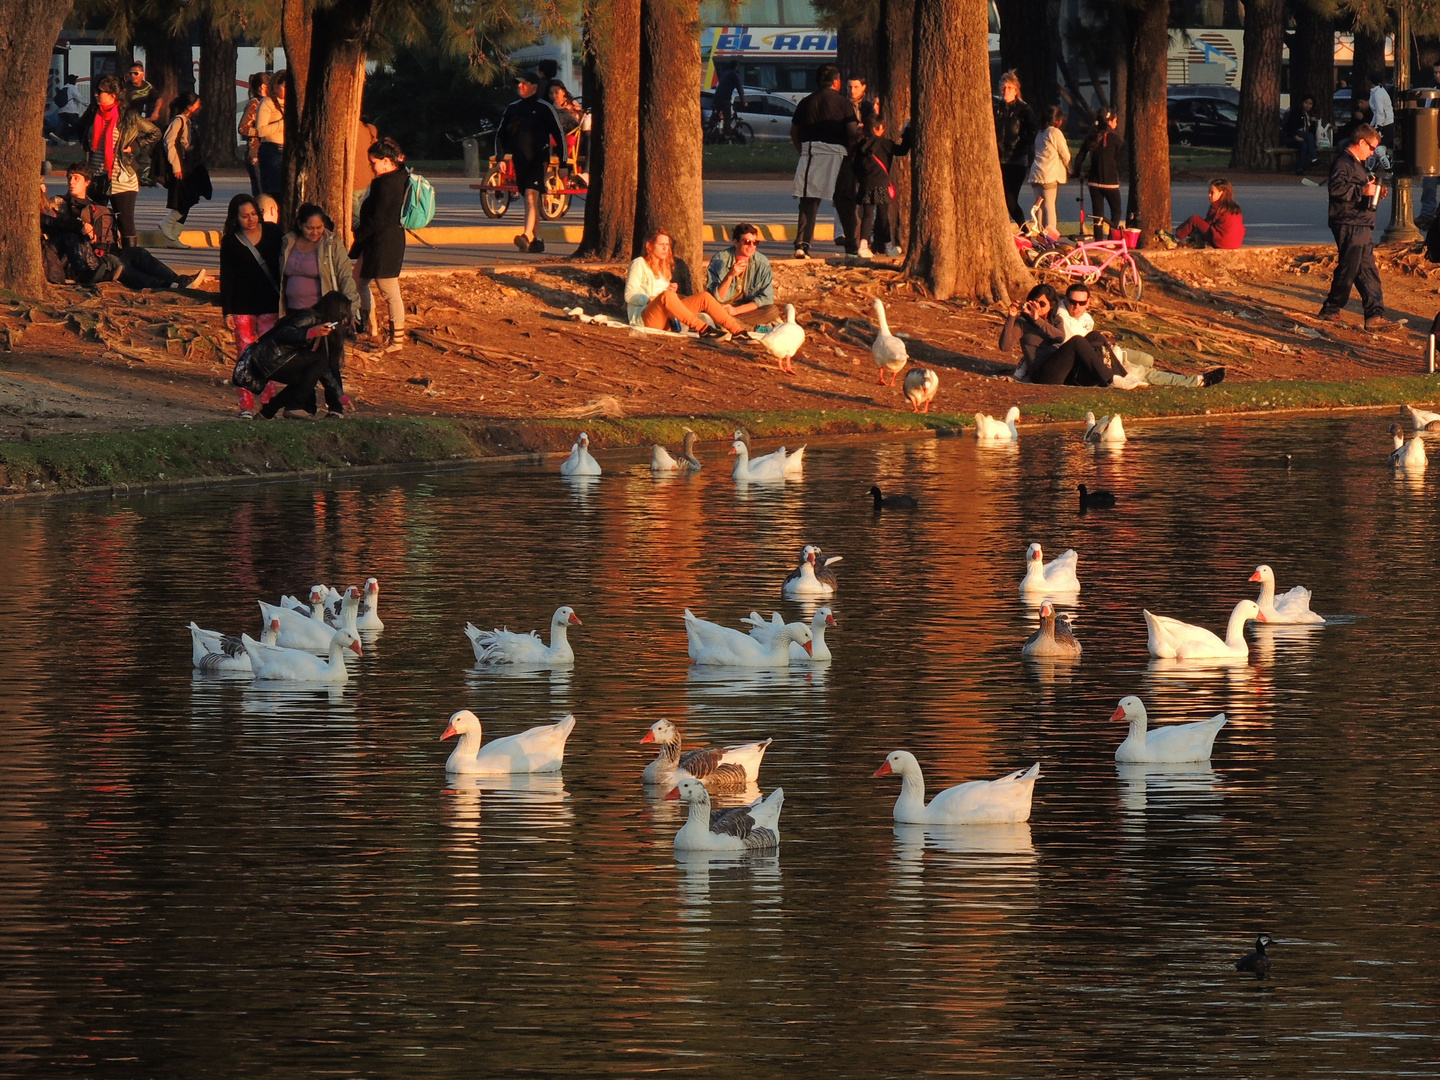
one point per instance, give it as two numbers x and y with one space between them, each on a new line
425 94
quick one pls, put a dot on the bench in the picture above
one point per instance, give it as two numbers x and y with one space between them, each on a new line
1284 156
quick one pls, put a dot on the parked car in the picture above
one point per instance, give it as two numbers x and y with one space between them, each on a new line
1204 90
768 115
1202 121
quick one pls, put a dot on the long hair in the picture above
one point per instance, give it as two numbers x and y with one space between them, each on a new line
1226 204
1046 292
667 267
308 211
232 214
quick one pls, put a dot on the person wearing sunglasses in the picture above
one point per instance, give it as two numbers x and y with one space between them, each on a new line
1353 195
741 279
1098 361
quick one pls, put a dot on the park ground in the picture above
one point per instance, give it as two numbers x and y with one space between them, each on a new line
495 365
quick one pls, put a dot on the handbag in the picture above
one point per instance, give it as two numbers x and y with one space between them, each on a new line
890 186
244 375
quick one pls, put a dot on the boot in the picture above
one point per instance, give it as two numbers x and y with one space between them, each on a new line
172 226
397 339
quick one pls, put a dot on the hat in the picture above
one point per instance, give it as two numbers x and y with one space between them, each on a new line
532 77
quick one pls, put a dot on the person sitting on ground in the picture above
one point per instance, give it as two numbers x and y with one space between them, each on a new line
1055 353
83 233
1035 327
249 280
1106 364
871 158
1223 226
1299 130
652 297
741 279
293 353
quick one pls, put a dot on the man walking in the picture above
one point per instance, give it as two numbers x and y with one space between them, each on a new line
822 130
525 133
1353 195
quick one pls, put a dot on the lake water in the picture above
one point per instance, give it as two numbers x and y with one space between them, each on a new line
202 874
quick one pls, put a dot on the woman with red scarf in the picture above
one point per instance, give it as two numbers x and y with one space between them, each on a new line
112 135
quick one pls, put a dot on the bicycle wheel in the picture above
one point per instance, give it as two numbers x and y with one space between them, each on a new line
493 200
1050 261
742 134
1130 283
554 203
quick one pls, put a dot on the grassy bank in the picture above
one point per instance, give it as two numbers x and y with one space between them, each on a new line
754 159
164 456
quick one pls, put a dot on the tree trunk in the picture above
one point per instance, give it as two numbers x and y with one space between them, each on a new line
1120 71
320 147
612 72
28 28
856 55
218 139
895 46
1259 126
1369 56
1028 35
1312 60
961 241
1149 138
671 156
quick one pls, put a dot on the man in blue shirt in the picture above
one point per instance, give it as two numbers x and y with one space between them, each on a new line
726 87
741 279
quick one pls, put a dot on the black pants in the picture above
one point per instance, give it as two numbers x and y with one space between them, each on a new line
141 270
1078 362
1014 178
887 226
123 203
1109 197
845 208
805 229
299 375
866 218
1355 266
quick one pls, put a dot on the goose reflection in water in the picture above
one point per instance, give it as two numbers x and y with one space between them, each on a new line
527 802
295 699
582 489
1176 785
743 873
730 681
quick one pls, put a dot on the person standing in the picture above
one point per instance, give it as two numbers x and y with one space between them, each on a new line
1298 130
1382 112
847 184
1103 148
1050 168
366 136
249 282
189 180
116 139
379 247
526 130
1353 193
822 129
1015 136
249 130
871 158
727 88
741 279
71 108
142 93
270 128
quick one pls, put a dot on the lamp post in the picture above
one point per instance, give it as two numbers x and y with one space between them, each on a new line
1402 221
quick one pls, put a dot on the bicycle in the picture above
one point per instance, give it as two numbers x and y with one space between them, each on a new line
1074 263
499 189
721 129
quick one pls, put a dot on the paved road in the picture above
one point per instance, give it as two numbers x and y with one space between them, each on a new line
1275 213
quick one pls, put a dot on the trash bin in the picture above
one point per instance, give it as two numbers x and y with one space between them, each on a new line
471 148
1418 120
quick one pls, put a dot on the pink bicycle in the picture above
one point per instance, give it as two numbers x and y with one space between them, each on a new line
1087 261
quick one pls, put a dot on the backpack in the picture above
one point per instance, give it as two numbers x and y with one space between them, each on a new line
419 208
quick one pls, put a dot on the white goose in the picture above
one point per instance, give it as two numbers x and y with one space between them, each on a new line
505 647
741 828
215 653
794 462
580 463
888 350
368 617
921 386
298 631
538 750
771 467
345 614
719 768
1409 456
274 663
1175 743
1047 579
662 462
988 429
813 576
1108 431
819 652
1292 607
1423 421
321 597
714 645
784 341
1171 639
979 802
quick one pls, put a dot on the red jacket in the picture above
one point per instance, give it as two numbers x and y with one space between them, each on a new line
1227 230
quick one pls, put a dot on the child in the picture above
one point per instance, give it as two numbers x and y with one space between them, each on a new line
871 159
1223 226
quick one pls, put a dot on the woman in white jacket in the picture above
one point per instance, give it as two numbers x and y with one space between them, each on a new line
1051 167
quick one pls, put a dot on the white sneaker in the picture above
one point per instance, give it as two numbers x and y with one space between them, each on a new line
894 251
864 250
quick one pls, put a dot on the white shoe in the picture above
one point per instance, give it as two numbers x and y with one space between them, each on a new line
864 250
894 251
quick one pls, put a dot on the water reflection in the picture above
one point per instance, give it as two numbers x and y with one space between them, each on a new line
1170 785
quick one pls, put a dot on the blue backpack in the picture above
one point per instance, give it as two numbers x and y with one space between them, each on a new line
419 208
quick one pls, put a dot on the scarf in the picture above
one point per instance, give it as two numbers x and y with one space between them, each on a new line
104 138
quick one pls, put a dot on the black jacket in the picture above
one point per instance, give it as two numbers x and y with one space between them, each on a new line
137 136
1347 205
526 129
277 347
245 289
1103 149
1297 121
1015 132
870 173
825 116
379 236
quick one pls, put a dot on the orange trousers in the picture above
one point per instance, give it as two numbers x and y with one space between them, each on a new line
669 305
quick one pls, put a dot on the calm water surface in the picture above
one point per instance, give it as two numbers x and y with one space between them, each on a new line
203 874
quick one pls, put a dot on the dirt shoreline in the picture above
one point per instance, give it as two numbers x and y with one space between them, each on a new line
494 362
